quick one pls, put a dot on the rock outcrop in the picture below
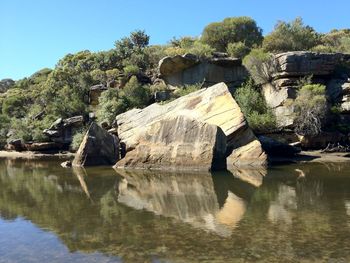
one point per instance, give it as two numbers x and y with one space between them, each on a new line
179 142
95 92
97 148
61 131
5 84
206 111
189 69
291 67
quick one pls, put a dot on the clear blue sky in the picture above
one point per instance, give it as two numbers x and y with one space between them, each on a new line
36 33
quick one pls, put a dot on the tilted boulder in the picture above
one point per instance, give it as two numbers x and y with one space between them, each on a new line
214 106
97 148
189 69
179 142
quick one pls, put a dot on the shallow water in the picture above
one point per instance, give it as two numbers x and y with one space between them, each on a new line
295 213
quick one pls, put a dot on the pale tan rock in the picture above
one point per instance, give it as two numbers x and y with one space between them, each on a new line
178 143
214 106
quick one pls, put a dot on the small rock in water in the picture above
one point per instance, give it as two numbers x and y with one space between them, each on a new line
66 164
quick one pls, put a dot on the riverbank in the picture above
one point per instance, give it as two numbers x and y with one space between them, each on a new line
302 157
33 155
312 157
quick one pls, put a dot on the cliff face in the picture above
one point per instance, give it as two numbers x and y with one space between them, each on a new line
189 69
291 67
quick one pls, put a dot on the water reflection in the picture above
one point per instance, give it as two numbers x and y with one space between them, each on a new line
196 199
157 217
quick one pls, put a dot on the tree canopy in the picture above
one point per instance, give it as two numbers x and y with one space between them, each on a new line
291 36
232 30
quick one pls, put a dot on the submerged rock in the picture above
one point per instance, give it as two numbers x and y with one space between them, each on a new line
66 164
212 106
97 148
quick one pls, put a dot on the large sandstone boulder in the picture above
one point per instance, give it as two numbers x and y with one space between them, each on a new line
97 148
179 142
189 69
213 106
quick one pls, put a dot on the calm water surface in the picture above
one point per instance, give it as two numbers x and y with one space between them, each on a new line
296 213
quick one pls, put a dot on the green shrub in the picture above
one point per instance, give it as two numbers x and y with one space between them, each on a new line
158 87
131 70
4 127
187 89
200 49
14 104
252 103
293 36
262 122
136 94
232 30
261 65
110 105
310 109
77 139
237 50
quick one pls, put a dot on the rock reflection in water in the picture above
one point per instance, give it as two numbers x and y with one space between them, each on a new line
192 198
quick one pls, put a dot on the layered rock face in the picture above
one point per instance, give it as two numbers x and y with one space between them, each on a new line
189 69
293 66
189 131
179 142
97 148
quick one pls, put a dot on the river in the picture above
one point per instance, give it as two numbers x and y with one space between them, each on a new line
291 213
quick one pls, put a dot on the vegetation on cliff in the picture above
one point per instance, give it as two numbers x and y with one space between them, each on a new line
29 105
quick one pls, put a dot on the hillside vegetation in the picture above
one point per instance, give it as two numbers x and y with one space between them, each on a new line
30 105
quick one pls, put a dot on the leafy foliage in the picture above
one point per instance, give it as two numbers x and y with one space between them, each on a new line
77 139
232 30
260 65
292 36
252 103
113 102
237 50
310 109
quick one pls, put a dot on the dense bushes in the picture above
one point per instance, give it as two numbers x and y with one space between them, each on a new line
252 103
293 36
113 102
232 30
310 109
260 65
